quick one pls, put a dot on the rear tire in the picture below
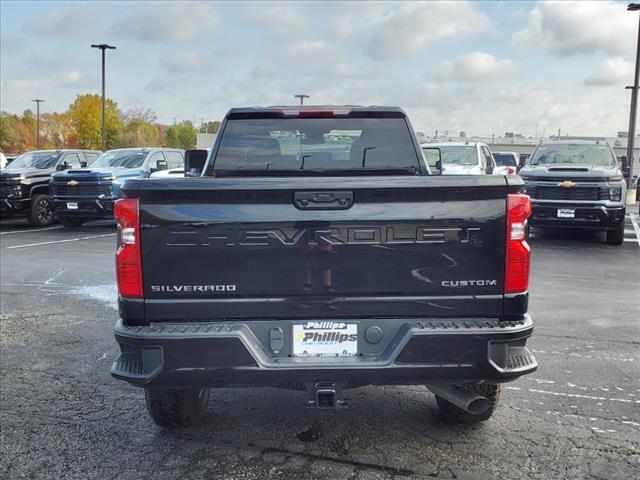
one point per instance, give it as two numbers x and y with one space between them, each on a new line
176 407
71 222
452 414
616 237
40 212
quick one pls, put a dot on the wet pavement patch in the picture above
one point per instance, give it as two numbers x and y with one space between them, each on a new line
311 434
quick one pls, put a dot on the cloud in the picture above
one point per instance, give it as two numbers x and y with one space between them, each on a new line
184 62
612 71
279 19
337 52
231 49
11 44
167 22
517 108
71 79
473 67
75 22
315 59
63 71
177 66
408 27
162 82
578 28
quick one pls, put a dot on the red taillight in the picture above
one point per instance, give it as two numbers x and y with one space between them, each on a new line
128 260
316 112
518 252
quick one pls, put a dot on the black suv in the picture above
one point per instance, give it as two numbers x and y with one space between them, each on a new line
24 184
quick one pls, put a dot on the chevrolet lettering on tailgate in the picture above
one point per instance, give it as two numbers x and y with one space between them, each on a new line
370 235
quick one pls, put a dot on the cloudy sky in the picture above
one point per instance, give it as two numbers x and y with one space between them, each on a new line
485 68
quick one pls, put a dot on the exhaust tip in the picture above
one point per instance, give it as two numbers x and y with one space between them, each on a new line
478 406
462 398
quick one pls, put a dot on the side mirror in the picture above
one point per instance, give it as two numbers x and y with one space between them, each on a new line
433 157
194 161
160 165
62 166
626 168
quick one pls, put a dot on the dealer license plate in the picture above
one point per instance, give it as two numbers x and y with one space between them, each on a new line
325 339
72 205
566 213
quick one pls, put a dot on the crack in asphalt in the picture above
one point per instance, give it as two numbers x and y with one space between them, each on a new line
404 472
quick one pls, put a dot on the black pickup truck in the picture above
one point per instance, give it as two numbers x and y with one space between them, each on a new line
80 195
576 184
24 183
316 252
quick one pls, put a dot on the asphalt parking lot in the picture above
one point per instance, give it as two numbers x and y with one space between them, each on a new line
63 416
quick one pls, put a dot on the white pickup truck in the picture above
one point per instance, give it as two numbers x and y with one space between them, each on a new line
462 158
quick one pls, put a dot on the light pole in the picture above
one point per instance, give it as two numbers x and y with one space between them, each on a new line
103 47
633 7
38 102
301 96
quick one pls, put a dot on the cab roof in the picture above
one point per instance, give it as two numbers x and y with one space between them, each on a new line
315 111
311 108
574 142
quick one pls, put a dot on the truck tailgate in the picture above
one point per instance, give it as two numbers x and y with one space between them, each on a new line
330 247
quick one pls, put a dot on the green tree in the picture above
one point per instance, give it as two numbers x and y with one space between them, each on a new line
17 133
137 133
29 119
7 131
145 115
85 114
57 130
182 135
210 127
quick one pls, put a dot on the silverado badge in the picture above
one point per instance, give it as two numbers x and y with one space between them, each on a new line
72 183
567 184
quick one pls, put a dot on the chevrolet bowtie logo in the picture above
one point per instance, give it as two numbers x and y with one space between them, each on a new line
567 184
72 183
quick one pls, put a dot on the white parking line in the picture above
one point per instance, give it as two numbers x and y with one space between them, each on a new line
634 222
576 395
620 358
31 230
62 270
61 241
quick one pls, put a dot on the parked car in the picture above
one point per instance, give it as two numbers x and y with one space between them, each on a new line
295 264
576 184
79 195
463 158
3 160
24 183
507 160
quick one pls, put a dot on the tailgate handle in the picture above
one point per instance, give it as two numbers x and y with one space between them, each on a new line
323 200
